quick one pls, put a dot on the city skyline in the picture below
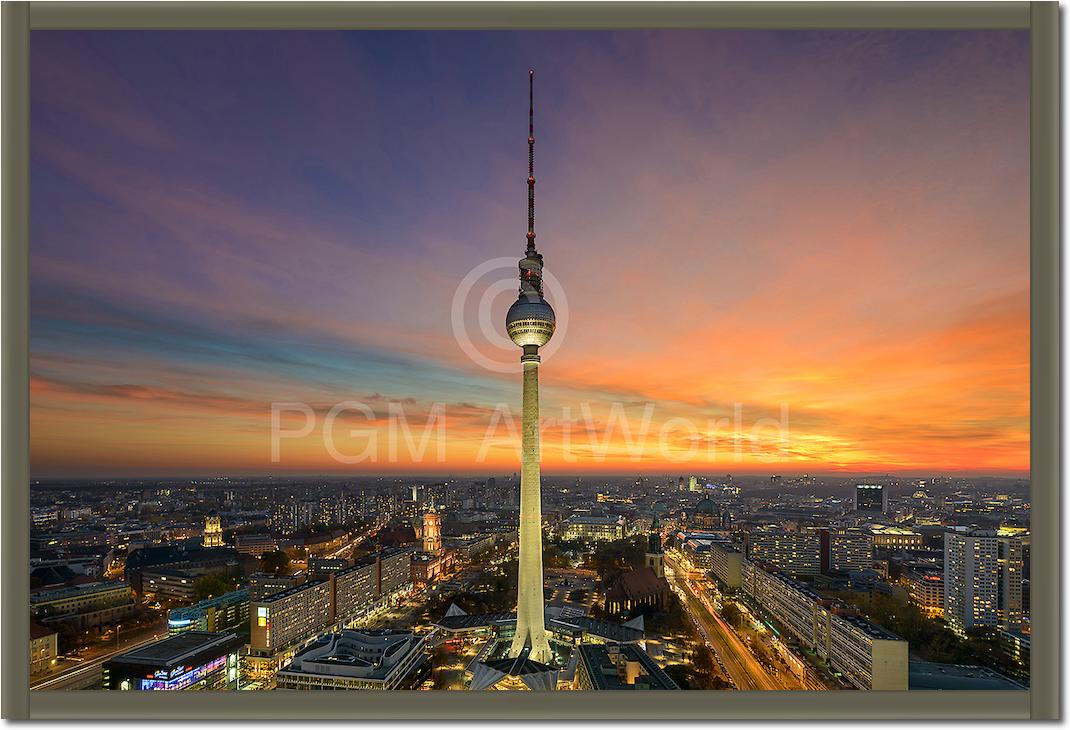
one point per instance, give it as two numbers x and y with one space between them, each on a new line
212 233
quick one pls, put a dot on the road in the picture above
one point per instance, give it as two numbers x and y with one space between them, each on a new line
744 669
86 675
347 549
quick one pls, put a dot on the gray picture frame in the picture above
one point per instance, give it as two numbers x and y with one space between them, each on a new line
1041 702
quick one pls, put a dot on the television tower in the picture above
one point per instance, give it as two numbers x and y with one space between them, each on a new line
530 324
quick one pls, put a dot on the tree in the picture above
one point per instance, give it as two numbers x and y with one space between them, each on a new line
682 675
554 557
212 585
707 672
672 620
733 615
276 563
610 559
931 639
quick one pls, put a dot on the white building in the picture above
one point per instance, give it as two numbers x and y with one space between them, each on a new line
866 655
797 553
372 659
982 580
593 528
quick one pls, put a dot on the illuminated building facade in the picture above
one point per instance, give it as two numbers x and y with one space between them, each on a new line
706 515
432 530
797 553
926 591
435 560
193 660
356 660
594 528
84 598
213 532
227 612
283 623
982 580
895 538
44 648
871 498
255 545
845 551
866 656
726 563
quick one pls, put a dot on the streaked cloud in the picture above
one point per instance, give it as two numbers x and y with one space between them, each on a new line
831 223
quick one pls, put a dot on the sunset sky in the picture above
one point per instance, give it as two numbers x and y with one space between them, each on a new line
828 229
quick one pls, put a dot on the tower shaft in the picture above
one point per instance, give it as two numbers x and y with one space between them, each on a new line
530 620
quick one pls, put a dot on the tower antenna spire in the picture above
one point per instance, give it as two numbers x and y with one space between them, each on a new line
531 161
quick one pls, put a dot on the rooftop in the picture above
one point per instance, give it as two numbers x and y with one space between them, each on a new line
608 630
594 520
933 676
77 590
870 629
370 654
176 649
877 529
635 585
603 667
520 670
291 591
237 596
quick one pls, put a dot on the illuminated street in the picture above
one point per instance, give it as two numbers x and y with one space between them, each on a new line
86 675
743 667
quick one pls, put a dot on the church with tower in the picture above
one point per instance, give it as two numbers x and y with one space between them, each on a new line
645 588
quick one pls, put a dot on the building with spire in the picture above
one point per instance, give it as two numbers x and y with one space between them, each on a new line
645 589
432 537
213 531
655 556
434 560
530 323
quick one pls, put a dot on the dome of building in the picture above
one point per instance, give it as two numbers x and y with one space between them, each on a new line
530 321
706 507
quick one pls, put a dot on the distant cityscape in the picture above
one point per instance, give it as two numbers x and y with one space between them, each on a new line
682 582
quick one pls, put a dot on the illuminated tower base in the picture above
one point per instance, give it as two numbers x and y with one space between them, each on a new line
530 619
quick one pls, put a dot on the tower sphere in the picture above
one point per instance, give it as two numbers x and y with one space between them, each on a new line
530 321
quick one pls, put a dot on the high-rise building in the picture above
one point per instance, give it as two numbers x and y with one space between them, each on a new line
530 323
795 553
284 518
843 551
213 532
290 616
871 498
982 580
